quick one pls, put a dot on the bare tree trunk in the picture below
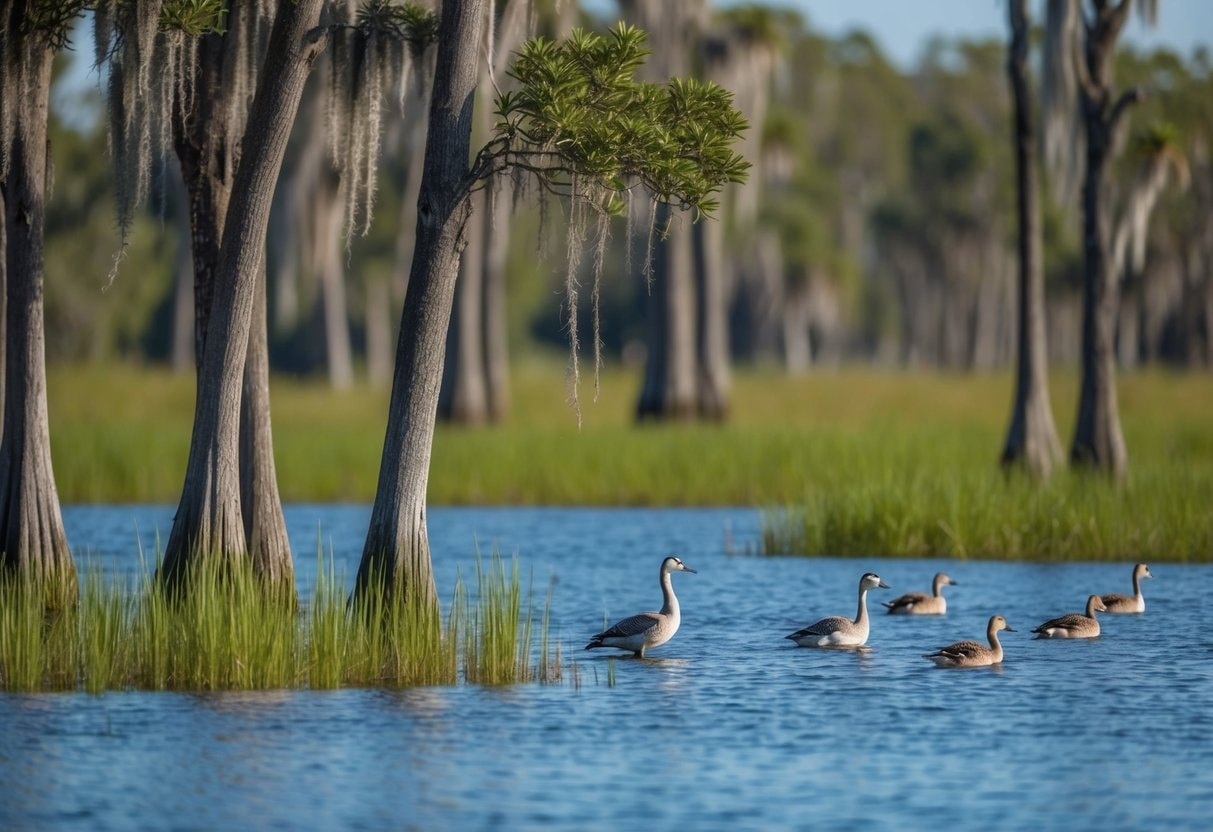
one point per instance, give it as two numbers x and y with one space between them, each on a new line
209 520
712 321
797 345
496 331
338 354
378 332
3 302
396 556
1098 441
209 156
31 527
463 398
264 523
1032 437
669 379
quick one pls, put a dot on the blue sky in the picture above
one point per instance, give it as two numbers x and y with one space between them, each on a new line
903 26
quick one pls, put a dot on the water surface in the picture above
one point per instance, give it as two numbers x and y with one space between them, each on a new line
729 726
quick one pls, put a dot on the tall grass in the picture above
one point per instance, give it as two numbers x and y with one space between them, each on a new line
225 632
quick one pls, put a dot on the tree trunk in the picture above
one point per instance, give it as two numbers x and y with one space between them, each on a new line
264 523
378 332
338 354
463 398
496 331
209 156
31 527
209 520
396 556
1032 437
669 377
1098 442
712 319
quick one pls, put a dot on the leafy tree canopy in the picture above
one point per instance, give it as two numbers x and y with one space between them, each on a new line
580 117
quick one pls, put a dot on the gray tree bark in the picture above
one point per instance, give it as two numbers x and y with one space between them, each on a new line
669 372
209 156
1032 436
496 331
1098 441
264 523
209 520
396 555
31 527
712 319
464 398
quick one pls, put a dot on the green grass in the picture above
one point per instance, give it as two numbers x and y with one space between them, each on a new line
866 461
226 633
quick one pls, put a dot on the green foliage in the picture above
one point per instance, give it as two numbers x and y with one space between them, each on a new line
581 114
194 17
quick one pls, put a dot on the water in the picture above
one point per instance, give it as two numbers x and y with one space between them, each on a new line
729 726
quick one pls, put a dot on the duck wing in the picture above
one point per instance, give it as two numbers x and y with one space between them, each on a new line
822 628
960 649
907 600
1065 622
631 626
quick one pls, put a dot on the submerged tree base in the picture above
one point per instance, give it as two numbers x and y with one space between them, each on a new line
227 633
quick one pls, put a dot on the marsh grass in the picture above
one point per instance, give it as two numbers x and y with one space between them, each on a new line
227 633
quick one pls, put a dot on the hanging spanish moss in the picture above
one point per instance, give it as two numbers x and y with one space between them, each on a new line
373 53
150 48
576 240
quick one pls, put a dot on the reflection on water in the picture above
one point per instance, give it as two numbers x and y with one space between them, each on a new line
727 726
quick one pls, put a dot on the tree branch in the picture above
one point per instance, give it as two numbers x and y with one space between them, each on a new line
1127 99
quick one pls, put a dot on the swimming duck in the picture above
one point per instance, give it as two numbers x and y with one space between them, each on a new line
919 603
972 653
1074 625
1117 603
645 630
837 630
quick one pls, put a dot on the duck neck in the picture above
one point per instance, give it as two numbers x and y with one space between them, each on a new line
1137 586
861 615
669 599
1091 608
995 644
938 588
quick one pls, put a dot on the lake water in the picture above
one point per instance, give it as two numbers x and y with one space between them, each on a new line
729 726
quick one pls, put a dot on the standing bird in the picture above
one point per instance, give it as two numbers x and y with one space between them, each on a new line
971 653
919 603
838 631
1115 602
1074 625
647 629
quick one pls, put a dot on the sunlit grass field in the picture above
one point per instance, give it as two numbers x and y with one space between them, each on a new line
859 461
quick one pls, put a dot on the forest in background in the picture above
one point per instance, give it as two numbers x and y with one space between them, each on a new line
878 225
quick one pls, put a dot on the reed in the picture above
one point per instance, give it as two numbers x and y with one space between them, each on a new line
220 630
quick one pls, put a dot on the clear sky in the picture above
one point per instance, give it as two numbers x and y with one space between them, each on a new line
903 26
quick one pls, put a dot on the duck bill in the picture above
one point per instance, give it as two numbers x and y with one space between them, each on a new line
883 585
686 568
1010 629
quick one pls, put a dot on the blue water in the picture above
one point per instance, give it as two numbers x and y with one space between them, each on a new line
729 726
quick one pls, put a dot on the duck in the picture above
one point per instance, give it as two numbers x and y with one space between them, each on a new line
919 603
647 630
1074 625
972 653
837 630
1117 603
